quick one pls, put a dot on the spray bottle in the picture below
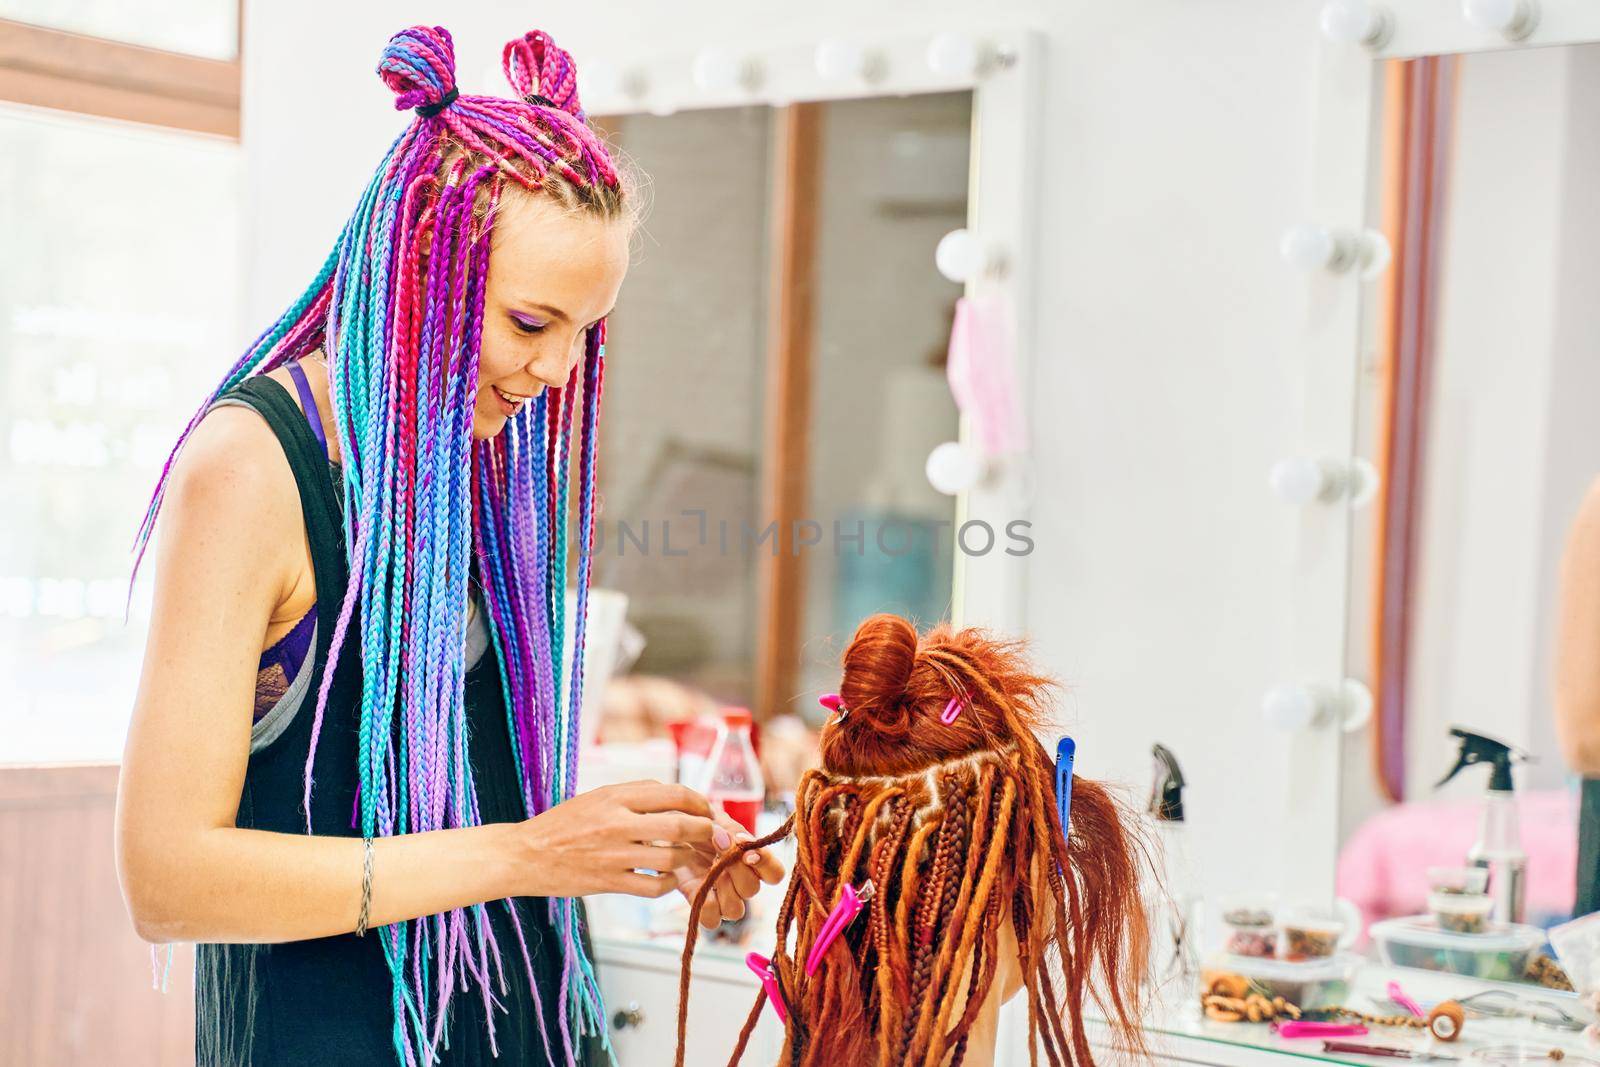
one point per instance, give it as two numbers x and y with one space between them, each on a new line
1174 923
1499 844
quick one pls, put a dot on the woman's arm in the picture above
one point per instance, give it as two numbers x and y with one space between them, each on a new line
230 542
1577 689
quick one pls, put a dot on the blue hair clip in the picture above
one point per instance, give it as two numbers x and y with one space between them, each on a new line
1066 749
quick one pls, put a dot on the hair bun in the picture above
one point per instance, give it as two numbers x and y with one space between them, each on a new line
877 670
419 64
536 66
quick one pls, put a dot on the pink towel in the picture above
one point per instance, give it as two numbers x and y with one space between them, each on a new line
1383 867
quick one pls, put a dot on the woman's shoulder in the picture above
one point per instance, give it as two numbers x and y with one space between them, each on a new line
232 476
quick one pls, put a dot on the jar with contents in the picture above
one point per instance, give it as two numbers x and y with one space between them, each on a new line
1460 913
1458 901
1250 925
1314 933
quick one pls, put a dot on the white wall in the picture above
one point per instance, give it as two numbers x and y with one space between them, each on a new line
1177 147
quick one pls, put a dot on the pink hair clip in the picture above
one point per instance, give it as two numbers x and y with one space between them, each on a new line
832 702
769 981
951 711
850 904
1398 995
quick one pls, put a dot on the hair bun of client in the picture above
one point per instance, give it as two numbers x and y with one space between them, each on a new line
934 787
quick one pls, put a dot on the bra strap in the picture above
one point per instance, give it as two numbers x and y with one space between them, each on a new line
308 401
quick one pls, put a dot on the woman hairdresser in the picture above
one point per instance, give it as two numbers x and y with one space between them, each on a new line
350 771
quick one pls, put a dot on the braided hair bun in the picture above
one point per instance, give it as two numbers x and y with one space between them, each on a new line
542 73
419 66
897 687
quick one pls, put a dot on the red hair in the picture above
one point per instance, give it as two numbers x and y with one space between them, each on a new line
955 824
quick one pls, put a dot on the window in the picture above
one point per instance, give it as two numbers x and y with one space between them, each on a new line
205 28
118 307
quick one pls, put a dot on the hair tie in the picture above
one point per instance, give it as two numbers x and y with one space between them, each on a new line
428 111
542 101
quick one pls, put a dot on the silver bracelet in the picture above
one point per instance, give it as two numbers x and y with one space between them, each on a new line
366 887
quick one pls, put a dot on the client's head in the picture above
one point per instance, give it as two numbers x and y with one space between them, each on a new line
949 810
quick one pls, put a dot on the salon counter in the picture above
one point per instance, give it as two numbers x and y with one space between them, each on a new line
640 982
1179 1034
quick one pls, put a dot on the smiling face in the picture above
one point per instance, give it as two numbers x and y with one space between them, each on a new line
553 273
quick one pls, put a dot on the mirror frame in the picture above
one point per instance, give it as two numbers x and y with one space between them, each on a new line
1328 340
1005 79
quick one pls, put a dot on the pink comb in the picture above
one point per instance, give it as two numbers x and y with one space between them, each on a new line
832 702
769 981
1312 1028
844 912
951 710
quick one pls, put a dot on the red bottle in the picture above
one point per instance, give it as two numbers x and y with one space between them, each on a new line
736 780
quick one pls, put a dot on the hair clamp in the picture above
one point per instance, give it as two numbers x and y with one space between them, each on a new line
769 982
832 702
850 904
951 711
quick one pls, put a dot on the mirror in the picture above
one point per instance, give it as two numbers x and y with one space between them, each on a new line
1480 369
783 281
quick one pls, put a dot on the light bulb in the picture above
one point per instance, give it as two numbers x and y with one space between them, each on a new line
715 71
1298 480
1356 22
953 55
1375 254
1291 707
1513 19
1309 247
959 256
1362 482
838 61
953 468
1356 705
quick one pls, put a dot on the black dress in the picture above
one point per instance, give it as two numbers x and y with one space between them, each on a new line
329 1000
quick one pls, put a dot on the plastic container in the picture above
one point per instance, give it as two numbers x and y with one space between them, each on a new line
1501 955
1461 913
1468 881
1314 933
1250 926
734 772
1577 945
1311 984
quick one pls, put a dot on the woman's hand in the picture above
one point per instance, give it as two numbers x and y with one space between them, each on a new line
600 841
740 883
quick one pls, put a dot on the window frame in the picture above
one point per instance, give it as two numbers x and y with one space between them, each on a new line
73 72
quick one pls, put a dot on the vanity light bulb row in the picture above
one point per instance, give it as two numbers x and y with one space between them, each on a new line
720 72
1370 25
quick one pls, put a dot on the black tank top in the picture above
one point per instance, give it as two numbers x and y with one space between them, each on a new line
330 1000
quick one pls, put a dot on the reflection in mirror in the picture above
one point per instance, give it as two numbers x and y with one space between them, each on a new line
783 280
1480 371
